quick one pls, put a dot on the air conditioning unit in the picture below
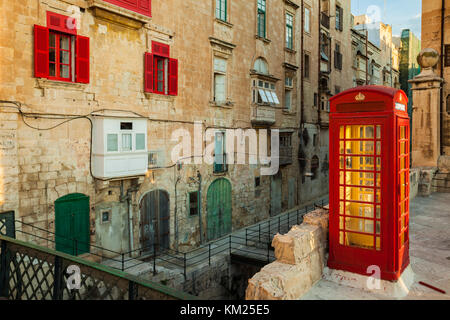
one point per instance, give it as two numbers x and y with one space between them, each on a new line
119 147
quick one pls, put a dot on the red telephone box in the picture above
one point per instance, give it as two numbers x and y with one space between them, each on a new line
369 181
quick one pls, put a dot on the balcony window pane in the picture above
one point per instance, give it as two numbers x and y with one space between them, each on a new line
126 142
140 141
112 143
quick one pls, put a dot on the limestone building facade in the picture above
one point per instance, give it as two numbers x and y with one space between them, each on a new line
436 35
98 95
327 62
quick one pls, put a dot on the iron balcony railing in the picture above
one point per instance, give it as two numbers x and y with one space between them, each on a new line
31 272
254 241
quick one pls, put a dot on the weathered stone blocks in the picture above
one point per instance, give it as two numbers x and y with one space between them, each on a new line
300 260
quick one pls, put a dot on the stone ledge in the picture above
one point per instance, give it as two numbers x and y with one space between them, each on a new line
102 8
43 83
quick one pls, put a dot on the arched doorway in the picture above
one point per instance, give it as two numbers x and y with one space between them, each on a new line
72 224
155 221
219 209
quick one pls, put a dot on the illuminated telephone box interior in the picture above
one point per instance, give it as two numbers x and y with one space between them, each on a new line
369 181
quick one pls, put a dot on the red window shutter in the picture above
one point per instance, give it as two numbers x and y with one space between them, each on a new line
61 23
82 60
145 7
173 77
40 52
148 76
139 6
160 49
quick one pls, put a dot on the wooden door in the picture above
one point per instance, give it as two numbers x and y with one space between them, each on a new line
219 209
155 221
72 224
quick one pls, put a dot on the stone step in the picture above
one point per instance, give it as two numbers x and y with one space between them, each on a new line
441 182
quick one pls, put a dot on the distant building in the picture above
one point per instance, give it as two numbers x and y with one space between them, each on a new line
380 35
409 68
382 57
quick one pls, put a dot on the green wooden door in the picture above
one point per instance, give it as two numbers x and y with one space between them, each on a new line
72 224
219 209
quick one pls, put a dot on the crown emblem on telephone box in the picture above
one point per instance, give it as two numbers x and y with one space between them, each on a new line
360 97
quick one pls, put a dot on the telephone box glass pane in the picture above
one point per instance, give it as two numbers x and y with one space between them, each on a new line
359 178
403 180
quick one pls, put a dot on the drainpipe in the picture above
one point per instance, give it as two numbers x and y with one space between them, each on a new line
441 122
175 213
130 224
128 198
302 65
319 102
200 223
302 89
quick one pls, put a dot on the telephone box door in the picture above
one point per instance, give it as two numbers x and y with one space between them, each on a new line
361 215
403 160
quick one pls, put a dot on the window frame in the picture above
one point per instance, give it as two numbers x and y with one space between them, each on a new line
261 17
339 14
307 26
266 86
289 22
197 203
120 133
157 58
219 168
288 88
58 50
307 70
219 10
223 73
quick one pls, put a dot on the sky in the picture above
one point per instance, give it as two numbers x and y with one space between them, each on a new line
400 14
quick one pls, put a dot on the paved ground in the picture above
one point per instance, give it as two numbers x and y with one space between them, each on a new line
429 251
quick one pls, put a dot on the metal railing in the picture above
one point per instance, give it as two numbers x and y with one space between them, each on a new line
30 272
257 237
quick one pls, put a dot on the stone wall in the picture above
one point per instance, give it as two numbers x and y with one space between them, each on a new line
301 257
41 164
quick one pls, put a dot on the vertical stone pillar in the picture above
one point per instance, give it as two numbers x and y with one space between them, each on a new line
425 134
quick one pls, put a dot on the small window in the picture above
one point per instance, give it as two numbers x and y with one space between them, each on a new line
288 82
257 182
106 216
220 156
289 31
261 18
193 203
261 66
112 143
339 18
307 20
316 99
126 126
220 81
306 73
287 99
221 10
